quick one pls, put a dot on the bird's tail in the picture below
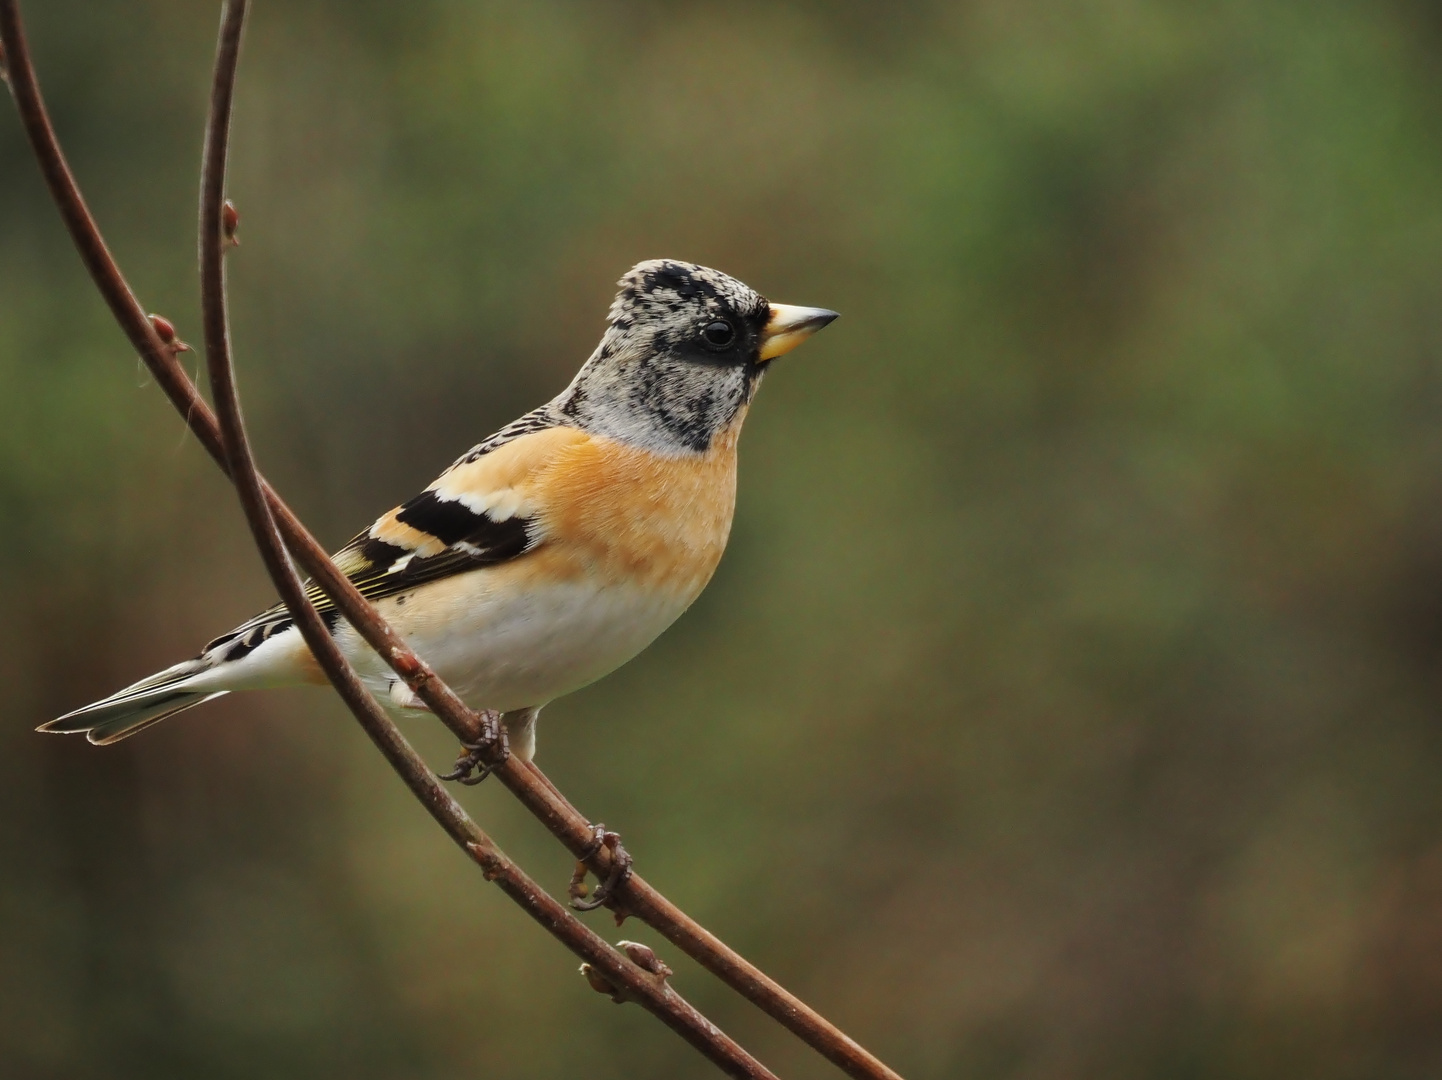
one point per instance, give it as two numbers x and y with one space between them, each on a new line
138 706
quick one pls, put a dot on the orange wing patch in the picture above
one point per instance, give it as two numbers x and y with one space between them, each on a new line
423 544
492 484
484 481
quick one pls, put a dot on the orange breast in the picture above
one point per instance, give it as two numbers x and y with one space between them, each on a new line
629 515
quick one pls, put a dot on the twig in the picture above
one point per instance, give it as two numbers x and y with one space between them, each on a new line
632 982
636 897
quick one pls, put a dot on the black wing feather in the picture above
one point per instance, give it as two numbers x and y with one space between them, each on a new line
380 569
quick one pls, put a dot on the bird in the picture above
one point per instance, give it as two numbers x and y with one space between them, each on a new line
555 550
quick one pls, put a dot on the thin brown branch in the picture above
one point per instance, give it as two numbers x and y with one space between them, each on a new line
636 897
629 980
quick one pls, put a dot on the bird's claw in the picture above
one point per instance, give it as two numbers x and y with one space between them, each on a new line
481 758
616 877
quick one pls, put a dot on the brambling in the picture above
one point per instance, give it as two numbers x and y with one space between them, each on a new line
558 548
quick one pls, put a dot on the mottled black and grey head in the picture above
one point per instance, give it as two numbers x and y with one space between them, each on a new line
684 351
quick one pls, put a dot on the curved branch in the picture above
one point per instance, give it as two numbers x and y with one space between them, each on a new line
636 897
618 971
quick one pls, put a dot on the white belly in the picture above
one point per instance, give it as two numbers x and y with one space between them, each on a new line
504 648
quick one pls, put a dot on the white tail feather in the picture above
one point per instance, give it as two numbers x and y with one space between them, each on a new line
137 706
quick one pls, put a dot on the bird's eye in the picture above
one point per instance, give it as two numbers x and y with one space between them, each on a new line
718 334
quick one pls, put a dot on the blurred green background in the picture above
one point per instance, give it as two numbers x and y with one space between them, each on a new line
1069 701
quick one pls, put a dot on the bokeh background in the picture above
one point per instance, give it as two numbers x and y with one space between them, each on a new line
1069 701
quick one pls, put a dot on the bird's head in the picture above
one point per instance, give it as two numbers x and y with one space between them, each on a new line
681 356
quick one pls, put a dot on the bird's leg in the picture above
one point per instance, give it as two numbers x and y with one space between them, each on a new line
481 757
616 877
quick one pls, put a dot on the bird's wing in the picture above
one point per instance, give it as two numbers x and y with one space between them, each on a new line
480 512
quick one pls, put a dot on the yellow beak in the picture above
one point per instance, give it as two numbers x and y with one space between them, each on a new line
789 326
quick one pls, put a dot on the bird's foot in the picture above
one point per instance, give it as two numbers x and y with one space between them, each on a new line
481 758
616 876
